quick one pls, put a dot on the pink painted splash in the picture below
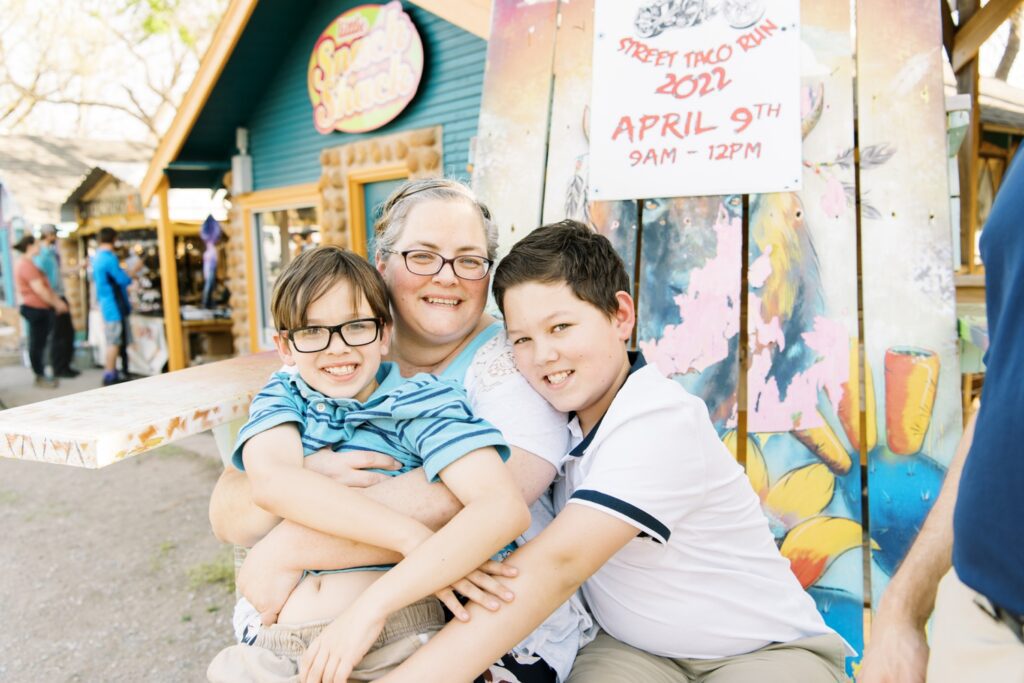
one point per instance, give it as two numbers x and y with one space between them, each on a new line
829 339
708 310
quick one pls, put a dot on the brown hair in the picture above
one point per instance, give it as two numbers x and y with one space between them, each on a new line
568 252
107 235
24 243
313 272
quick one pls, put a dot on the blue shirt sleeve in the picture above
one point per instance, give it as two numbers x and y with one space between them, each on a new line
46 261
122 278
276 404
438 423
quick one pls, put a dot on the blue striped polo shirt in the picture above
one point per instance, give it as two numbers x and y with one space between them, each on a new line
422 421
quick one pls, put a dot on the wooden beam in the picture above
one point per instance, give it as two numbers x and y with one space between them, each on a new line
472 15
978 28
948 29
221 46
169 283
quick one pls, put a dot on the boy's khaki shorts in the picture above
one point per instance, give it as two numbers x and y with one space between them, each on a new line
275 654
820 659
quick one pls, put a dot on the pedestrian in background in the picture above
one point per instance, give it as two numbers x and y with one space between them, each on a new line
111 282
62 338
39 304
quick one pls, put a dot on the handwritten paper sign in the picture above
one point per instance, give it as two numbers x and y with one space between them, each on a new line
365 69
695 97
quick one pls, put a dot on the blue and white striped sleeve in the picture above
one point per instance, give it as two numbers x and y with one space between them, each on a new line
434 420
276 404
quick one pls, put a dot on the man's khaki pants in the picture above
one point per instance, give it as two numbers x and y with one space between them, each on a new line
820 659
968 643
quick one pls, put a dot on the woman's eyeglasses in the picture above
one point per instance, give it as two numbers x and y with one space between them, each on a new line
315 338
423 262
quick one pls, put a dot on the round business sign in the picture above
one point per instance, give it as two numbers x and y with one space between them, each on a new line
365 69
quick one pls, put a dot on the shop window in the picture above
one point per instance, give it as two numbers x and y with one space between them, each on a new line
282 234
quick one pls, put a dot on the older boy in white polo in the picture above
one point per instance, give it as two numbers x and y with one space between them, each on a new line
656 521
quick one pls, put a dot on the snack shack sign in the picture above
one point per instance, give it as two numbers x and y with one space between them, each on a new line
365 69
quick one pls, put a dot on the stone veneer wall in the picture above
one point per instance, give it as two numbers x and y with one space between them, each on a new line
420 150
71 270
239 302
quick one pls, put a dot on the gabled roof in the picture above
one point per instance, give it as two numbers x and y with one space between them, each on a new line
267 25
40 172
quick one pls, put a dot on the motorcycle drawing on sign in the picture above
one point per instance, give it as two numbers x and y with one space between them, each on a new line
659 16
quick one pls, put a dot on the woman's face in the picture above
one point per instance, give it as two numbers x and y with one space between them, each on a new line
440 308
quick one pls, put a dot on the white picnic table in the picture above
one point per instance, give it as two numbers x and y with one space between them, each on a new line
102 426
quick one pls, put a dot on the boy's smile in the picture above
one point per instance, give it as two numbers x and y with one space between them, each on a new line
339 371
569 350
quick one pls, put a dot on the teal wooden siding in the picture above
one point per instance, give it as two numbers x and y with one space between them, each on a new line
286 147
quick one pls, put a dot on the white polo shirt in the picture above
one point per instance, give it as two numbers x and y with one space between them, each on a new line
703 578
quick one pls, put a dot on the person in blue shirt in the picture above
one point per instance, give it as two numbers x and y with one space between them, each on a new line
62 338
968 559
332 316
111 283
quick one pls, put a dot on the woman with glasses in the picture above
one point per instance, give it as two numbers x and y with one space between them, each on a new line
435 244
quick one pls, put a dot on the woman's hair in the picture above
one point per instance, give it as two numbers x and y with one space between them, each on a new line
312 273
22 245
394 212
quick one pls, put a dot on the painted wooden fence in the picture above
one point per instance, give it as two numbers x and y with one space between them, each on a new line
820 392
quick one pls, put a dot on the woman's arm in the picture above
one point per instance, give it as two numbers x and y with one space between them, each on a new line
494 514
233 516
235 519
276 562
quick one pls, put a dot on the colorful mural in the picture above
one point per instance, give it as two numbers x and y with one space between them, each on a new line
820 405
511 144
909 316
565 193
803 378
689 319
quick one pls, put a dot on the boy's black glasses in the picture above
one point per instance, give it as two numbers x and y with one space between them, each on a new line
315 338
423 262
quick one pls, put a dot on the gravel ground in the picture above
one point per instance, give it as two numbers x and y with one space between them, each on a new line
113 574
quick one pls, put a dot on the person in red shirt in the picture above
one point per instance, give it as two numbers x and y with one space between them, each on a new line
39 305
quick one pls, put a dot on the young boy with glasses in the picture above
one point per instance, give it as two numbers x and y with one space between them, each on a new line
331 310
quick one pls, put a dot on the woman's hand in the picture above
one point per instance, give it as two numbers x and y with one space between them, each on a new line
480 587
333 654
349 467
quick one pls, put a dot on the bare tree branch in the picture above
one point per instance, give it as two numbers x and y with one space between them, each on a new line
132 57
1016 21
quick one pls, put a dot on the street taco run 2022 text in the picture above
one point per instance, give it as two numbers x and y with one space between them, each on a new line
690 76
693 105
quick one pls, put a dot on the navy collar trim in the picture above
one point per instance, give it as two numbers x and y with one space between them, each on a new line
636 362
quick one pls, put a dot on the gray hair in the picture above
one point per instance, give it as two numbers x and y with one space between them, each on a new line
393 213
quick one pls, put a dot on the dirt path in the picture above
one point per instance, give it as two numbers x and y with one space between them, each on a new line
112 575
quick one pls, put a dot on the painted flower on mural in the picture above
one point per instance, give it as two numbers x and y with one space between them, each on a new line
794 505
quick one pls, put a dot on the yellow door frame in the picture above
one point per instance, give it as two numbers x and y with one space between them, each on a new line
355 179
293 196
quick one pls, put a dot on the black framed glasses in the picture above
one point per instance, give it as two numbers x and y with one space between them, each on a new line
423 262
313 338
